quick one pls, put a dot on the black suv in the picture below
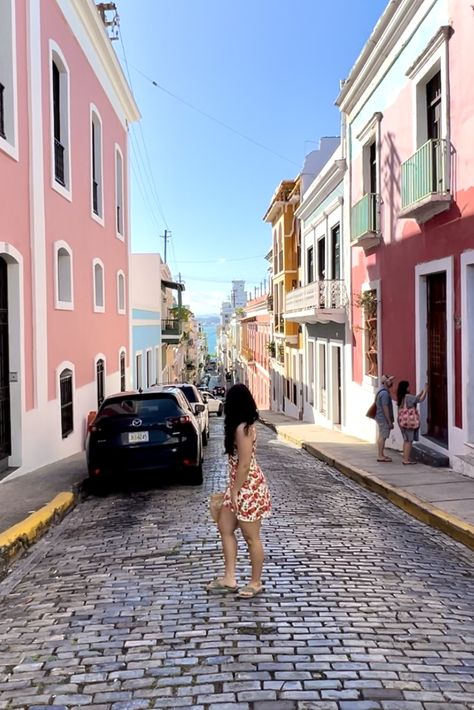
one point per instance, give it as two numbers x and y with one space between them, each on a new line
141 431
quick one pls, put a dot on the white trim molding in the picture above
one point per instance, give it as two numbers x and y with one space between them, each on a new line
65 110
121 310
421 272
95 119
467 350
9 144
119 193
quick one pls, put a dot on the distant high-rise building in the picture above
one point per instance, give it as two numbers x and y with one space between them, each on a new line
238 296
226 313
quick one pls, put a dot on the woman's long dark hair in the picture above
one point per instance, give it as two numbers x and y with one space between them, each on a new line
240 407
402 390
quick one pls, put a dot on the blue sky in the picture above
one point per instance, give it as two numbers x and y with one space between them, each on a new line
268 69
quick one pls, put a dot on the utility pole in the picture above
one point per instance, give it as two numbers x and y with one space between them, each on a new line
166 236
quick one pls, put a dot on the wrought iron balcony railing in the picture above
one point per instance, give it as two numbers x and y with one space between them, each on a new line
59 173
171 326
364 217
425 173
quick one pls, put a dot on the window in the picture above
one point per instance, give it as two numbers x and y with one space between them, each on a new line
65 387
336 253
310 385
138 370
310 264
98 278
100 380
121 292
119 216
321 259
369 314
8 84
96 165
322 390
60 129
122 372
63 274
149 373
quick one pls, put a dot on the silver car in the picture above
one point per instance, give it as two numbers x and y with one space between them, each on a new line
193 395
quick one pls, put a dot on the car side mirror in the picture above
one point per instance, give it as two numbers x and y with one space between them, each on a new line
198 408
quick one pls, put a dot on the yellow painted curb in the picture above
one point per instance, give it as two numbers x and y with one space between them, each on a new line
28 529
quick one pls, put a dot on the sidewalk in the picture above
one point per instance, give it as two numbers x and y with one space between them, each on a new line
31 502
437 496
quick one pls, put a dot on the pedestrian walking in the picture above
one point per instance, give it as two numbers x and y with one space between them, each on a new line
384 415
408 417
247 498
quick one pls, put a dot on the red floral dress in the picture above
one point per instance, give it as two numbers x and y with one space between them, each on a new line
253 499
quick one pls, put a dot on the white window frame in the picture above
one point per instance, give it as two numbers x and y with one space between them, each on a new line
322 345
335 345
158 364
9 144
98 308
119 193
434 58
123 310
58 303
311 371
96 119
370 382
55 51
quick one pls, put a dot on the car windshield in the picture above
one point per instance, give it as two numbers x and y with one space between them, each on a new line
160 406
190 394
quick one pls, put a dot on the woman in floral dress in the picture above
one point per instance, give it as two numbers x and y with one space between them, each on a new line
247 498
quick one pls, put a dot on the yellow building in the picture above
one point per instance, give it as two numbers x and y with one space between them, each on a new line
286 345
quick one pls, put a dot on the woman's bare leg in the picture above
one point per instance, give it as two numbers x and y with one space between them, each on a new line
251 533
406 451
227 527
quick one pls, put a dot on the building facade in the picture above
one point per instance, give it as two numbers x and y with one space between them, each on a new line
64 233
320 304
408 107
255 330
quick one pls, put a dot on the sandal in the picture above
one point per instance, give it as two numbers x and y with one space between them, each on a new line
386 459
218 585
248 592
409 463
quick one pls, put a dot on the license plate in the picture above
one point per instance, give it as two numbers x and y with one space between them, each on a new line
137 437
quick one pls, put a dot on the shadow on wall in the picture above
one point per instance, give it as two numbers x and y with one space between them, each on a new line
392 186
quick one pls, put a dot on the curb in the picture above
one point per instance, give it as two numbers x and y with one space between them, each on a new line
451 525
19 537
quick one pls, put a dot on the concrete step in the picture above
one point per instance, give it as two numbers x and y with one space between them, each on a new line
464 463
430 457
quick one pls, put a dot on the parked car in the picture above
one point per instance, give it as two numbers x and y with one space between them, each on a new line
214 405
142 431
194 397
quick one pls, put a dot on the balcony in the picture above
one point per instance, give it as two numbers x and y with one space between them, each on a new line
318 302
365 228
425 182
171 331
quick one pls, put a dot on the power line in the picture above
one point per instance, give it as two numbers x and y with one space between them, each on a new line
213 118
224 261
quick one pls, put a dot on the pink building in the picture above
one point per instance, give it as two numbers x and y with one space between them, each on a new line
408 107
64 235
254 350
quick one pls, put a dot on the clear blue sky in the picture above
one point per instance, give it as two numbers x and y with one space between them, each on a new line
268 69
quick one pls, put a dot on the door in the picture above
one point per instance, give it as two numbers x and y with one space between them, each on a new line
433 116
437 358
5 438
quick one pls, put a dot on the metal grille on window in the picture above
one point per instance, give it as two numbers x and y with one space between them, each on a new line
122 372
65 386
100 381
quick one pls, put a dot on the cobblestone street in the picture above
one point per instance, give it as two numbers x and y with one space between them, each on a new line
364 608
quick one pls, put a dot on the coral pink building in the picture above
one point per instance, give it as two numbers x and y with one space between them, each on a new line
408 108
64 236
254 350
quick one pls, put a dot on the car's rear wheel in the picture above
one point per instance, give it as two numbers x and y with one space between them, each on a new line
195 476
204 438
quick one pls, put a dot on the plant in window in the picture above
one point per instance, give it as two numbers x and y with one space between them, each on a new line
271 347
181 313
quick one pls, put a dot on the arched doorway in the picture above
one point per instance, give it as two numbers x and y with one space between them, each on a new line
5 413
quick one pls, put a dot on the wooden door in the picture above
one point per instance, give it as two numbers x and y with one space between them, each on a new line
437 358
5 430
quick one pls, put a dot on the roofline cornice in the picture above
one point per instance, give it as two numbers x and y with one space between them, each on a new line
89 16
321 187
386 35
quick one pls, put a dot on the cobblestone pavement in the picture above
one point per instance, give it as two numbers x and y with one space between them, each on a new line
364 608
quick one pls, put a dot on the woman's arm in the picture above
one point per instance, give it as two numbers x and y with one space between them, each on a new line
244 444
422 395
